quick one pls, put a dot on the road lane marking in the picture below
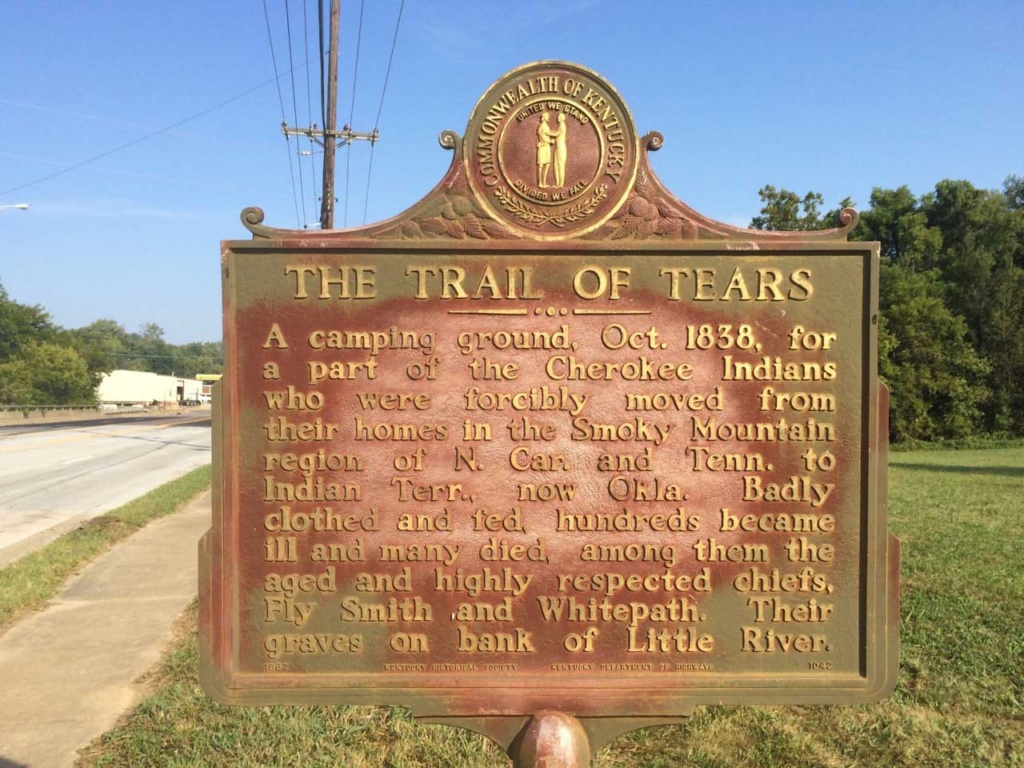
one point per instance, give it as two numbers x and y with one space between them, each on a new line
69 439
75 461
182 423
87 435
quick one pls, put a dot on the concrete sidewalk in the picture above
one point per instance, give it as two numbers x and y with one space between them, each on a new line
69 672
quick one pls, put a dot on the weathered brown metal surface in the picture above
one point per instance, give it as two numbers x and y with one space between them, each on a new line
550 441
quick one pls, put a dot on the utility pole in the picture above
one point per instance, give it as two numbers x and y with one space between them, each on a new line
330 138
327 203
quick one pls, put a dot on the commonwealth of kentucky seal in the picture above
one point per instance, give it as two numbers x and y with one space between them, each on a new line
551 150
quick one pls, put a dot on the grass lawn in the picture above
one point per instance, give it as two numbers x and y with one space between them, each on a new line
959 702
30 582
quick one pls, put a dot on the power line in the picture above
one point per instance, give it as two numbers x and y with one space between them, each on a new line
273 58
165 357
323 80
309 104
146 137
280 98
295 109
352 109
380 108
67 112
391 58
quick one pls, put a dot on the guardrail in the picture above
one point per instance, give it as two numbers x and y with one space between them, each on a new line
9 413
42 409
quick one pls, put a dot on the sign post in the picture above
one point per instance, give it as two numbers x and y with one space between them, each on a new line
550 456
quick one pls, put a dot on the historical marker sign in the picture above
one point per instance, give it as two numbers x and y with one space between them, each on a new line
550 440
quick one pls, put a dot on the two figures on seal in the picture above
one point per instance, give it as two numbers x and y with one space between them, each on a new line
549 139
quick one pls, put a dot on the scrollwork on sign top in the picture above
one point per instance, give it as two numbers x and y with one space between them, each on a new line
252 219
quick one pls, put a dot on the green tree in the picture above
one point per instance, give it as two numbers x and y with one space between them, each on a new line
44 364
102 343
106 346
198 357
20 325
43 373
935 376
1003 346
783 210
154 354
896 220
980 261
950 341
979 238
1013 190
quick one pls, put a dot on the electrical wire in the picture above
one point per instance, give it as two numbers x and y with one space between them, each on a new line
352 109
163 357
295 112
284 121
380 108
309 107
323 81
145 137
273 58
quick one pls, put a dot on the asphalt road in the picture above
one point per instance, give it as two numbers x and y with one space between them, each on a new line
53 476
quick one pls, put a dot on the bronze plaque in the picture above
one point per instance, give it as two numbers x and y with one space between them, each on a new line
551 150
550 440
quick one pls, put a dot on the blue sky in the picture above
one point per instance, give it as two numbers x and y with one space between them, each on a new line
832 97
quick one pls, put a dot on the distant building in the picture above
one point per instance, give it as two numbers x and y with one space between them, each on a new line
127 388
208 379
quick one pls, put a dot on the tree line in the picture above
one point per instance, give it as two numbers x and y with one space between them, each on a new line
951 295
951 336
44 364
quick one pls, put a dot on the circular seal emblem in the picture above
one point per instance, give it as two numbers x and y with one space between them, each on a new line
551 150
